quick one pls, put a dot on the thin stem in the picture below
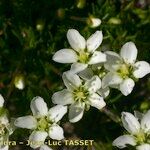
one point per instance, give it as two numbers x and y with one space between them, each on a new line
111 115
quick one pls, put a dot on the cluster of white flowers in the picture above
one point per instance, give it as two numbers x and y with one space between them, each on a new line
138 127
5 127
88 83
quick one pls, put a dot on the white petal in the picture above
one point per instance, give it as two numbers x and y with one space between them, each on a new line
143 147
77 67
111 79
94 41
129 52
75 112
113 61
71 80
86 74
104 92
95 22
130 123
56 132
93 84
28 122
4 119
97 101
57 112
123 141
138 115
97 57
37 137
4 148
142 68
127 86
38 107
65 56
1 101
63 97
76 40
45 147
145 122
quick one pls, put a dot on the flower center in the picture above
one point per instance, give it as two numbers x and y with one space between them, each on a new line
43 124
141 137
83 57
80 94
125 71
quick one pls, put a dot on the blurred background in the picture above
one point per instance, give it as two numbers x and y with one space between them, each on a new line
31 31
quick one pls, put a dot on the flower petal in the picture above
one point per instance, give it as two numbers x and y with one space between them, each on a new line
93 84
142 68
71 80
113 61
97 101
4 119
45 147
111 79
4 148
57 112
76 112
77 67
143 147
37 138
123 141
76 40
38 107
62 97
86 74
127 86
94 41
145 122
104 92
56 132
65 56
97 57
1 101
129 52
28 122
130 123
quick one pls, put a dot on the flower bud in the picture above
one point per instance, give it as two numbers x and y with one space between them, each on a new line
19 82
93 22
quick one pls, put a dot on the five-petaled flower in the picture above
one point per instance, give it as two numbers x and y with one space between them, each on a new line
83 53
79 94
43 122
124 69
138 127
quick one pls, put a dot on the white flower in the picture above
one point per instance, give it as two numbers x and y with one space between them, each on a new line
98 70
78 95
5 126
43 122
83 53
124 69
138 129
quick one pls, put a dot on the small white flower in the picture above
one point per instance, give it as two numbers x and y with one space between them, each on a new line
83 53
123 69
78 95
5 126
139 131
43 122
